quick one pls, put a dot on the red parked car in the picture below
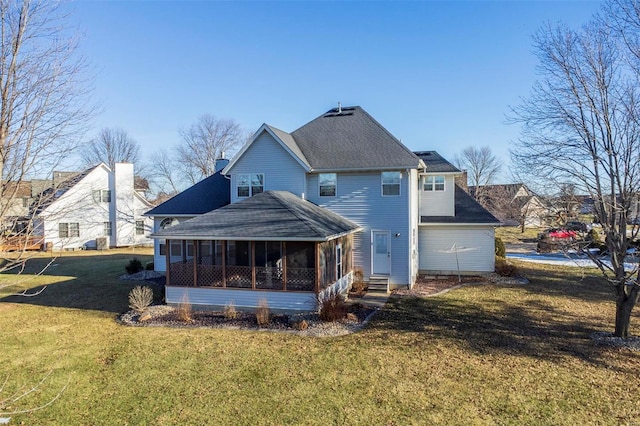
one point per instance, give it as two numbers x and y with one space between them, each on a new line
562 234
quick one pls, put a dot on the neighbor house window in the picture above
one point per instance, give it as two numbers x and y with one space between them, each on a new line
390 183
25 202
328 183
250 184
434 183
68 230
139 227
102 196
107 229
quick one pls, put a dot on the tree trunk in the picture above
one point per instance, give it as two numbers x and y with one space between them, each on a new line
627 299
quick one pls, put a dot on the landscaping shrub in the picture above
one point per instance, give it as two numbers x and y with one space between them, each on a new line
149 266
331 305
263 316
500 249
359 285
133 266
300 325
504 268
185 310
230 312
140 298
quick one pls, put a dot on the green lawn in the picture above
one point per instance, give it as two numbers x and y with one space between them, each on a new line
478 355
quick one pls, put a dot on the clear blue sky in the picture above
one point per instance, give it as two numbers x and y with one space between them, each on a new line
438 75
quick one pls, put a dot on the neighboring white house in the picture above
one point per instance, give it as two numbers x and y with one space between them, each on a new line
98 208
309 207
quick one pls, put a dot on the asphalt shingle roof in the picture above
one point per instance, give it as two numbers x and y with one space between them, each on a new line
350 138
467 210
272 215
436 163
209 194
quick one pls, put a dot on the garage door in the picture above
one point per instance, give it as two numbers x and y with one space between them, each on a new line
472 246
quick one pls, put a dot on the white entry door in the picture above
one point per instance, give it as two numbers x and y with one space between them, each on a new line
381 256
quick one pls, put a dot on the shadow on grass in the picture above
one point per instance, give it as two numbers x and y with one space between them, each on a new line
588 285
533 329
83 282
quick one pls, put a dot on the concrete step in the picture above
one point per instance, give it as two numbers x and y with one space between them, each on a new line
379 284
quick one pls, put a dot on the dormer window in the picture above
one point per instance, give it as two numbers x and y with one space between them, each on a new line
250 184
434 183
328 183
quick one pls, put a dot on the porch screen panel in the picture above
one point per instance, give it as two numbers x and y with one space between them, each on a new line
300 266
269 265
209 269
327 263
238 270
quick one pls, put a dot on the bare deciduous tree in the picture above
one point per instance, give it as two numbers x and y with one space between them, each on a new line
110 146
44 108
43 103
206 141
580 125
481 165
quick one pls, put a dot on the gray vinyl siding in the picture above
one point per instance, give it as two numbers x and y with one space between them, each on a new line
242 299
281 171
359 199
435 240
438 203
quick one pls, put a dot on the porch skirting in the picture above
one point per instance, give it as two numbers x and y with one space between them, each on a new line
247 299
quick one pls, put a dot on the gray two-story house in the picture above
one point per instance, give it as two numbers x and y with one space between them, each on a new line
309 207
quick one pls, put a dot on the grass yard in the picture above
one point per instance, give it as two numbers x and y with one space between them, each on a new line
514 234
482 354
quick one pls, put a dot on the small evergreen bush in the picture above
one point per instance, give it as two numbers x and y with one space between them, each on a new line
500 249
140 298
133 266
149 266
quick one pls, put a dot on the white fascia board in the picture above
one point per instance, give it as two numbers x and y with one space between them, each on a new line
364 169
425 173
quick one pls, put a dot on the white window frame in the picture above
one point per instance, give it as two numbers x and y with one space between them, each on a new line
249 177
334 184
432 183
107 228
140 227
339 270
389 184
66 230
102 196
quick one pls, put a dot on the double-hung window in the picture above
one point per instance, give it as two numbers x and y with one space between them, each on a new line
250 184
102 196
390 184
68 230
139 227
107 229
328 183
434 183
